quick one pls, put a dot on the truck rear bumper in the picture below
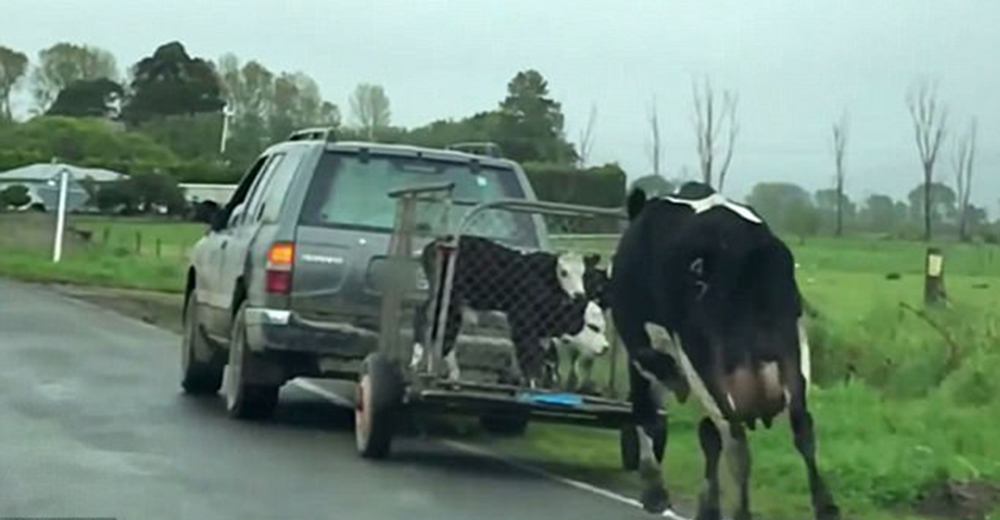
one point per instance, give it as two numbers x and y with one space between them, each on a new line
335 349
272 329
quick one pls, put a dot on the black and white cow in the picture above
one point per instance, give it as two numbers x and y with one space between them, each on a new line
706 280
596 285
541 294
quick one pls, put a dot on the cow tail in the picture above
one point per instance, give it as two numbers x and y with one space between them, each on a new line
636 201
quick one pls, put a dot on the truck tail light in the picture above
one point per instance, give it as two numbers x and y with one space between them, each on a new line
278 273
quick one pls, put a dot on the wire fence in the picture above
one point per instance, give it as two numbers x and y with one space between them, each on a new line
164 240
501 305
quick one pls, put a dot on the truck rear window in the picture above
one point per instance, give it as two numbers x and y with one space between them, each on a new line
347 192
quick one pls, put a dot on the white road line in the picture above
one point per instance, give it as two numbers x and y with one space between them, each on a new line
482 452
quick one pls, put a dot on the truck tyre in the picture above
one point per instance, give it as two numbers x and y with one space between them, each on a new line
378 406
198 377
245 400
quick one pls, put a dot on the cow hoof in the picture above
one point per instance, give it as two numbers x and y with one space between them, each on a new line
655 500
828 512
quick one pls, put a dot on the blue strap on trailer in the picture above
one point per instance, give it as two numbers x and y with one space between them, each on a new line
556 399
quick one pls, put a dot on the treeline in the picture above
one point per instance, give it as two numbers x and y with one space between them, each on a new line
793 210
190 119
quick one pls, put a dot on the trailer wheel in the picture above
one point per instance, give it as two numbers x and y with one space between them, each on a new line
377 407
629 442
511 425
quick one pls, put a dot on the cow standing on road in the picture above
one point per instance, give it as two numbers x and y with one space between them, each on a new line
706 280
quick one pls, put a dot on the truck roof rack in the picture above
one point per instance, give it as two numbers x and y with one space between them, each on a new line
484 148
322 133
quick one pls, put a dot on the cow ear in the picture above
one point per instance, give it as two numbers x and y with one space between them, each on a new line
636 201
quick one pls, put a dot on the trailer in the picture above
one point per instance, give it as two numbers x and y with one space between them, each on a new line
394 385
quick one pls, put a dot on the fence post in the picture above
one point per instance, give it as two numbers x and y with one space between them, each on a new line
106 235
934 292
138 242
158 246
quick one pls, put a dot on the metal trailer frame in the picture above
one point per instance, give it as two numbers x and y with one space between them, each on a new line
426 389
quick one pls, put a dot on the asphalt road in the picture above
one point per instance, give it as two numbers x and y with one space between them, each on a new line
92 423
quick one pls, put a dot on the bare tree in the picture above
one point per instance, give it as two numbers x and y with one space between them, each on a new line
709 121
839 144
370 108
655 146
929 120
965 153
587 135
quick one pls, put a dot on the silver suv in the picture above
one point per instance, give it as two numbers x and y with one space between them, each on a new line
284 283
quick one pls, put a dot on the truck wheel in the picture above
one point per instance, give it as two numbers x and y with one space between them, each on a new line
377 407
629 443
245 400
510 425
197 377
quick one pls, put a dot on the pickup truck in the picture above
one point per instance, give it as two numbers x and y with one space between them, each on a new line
282 284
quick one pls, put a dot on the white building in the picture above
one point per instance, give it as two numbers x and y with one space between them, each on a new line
37 177
219 193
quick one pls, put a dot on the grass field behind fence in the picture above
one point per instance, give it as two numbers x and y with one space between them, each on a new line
904 403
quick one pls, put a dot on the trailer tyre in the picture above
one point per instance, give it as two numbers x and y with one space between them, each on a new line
510 425
377 406
629 442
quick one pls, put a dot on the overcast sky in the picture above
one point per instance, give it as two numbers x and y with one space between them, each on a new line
797 65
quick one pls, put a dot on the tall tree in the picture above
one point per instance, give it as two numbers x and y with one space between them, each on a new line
587 136
710 118
965 154
13 65
296 104
63 64
834 207
171 82
654 185
655 145
532 124
370 109
839 144
881 213
249 95
929 120
942 206
88 98
780 203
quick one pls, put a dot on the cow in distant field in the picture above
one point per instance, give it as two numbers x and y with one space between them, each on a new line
703 296
541 294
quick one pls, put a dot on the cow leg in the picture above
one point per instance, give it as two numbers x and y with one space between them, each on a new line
584 365
453 326
647 396
711 445
647 399
739 464
573 379
824 506
419 334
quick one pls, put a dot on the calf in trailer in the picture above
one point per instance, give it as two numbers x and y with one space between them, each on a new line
707 280
596 283
541 294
